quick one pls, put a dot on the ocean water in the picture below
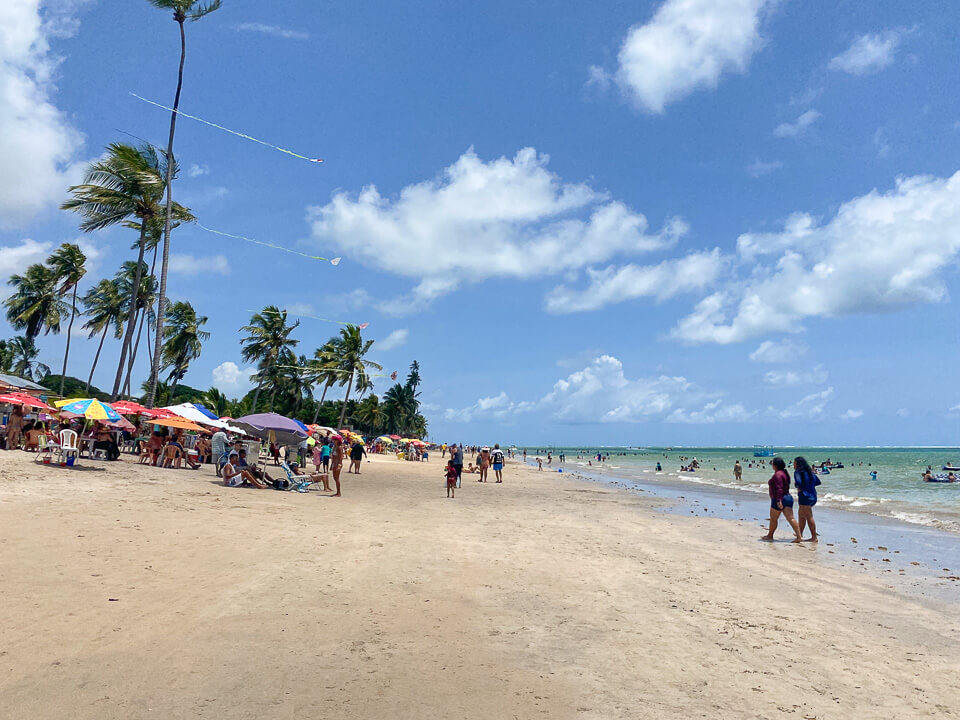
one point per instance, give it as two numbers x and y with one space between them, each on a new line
898 492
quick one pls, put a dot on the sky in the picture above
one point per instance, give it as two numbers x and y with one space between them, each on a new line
683 222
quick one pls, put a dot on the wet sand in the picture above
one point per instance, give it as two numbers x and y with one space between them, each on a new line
133 592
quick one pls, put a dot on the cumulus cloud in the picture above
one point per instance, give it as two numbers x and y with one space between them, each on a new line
789 378
783 351
16 258
798 127
616 284
602 393
275 31
882 251
196 170
34 133
233 380
852 415
868 53
510 217
809 407
686 46
393 340
193 265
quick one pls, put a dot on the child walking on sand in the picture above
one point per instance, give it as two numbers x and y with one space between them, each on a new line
451 473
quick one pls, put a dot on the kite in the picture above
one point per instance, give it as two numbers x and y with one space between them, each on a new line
232 132
333 261
362 326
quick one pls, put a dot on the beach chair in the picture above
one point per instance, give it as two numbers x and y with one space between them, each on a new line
68 447
146 454
300 483
171 457
46 447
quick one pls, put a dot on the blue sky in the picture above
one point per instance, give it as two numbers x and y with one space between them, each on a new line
671 222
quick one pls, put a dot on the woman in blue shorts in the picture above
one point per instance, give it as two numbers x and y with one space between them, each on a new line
806 481
781 501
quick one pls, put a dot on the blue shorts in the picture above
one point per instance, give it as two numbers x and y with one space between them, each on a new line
498 467
787 501
808 500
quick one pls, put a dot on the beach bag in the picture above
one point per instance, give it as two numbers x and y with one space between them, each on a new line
281 484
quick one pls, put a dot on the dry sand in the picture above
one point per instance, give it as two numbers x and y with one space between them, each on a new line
131 592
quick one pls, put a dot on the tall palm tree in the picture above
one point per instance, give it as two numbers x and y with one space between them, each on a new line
369 413
216 401
104 308
183 341
268 341
68 264
400 406
35 305
25 363
325 368
182 9
413 379
127 183
351 351
142 304
6 355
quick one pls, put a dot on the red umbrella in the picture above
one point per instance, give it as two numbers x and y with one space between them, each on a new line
128 407
16 398
394 437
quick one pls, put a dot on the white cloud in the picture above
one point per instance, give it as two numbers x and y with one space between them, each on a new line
810 407
192 265
687 45
16 258
881 252
38 144
807 96
954 409
300 308
778 352
273 30
758 168
789 378
504 218
393 340
882 143
233 380
196 170
798 127
852 415
903 412
868 53
616 284
601 393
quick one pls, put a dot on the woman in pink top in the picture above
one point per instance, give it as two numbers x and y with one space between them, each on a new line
781 501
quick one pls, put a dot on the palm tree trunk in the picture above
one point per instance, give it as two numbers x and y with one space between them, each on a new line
316 412
343 410
66 353
96 357
256 396
155 369
132 312
133 354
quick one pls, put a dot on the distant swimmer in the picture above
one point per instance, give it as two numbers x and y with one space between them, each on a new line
659 468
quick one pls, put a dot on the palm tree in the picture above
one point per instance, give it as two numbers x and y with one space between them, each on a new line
104 309
183 341
68 264
324 367
216 401
36 305
267 343
369 413
127 183
142 305
182 9
400 406
351 350
25 363
6 355
413 379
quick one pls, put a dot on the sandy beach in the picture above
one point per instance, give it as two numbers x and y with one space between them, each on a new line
133 592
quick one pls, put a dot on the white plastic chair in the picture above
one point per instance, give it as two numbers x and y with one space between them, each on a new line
68 446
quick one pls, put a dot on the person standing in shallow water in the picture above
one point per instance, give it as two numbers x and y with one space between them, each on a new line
806 481
737 470
781 501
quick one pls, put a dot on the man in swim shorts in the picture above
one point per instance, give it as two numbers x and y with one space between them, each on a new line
497 457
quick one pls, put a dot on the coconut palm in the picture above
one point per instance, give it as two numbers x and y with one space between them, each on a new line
369 413
183 341
413 379
216 401
400 406
182 10
351 350
324 368
68 264
35 304
268 343
128 183
103 308
24 357
142 305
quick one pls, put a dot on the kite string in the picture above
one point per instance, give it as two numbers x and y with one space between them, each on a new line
333 261
226 129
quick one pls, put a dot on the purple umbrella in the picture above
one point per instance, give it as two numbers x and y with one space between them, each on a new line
261 425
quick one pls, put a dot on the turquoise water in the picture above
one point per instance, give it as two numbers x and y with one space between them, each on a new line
898 492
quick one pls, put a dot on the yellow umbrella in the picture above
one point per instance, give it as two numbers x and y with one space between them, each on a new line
90 408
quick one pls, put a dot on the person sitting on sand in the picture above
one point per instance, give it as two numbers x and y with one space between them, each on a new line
451 473
235 476
781 501
471 469
31 438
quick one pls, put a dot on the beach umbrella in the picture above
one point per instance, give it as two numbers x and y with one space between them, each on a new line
303 427
89 408
16 398
394 437
176 422
270 426
128 407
